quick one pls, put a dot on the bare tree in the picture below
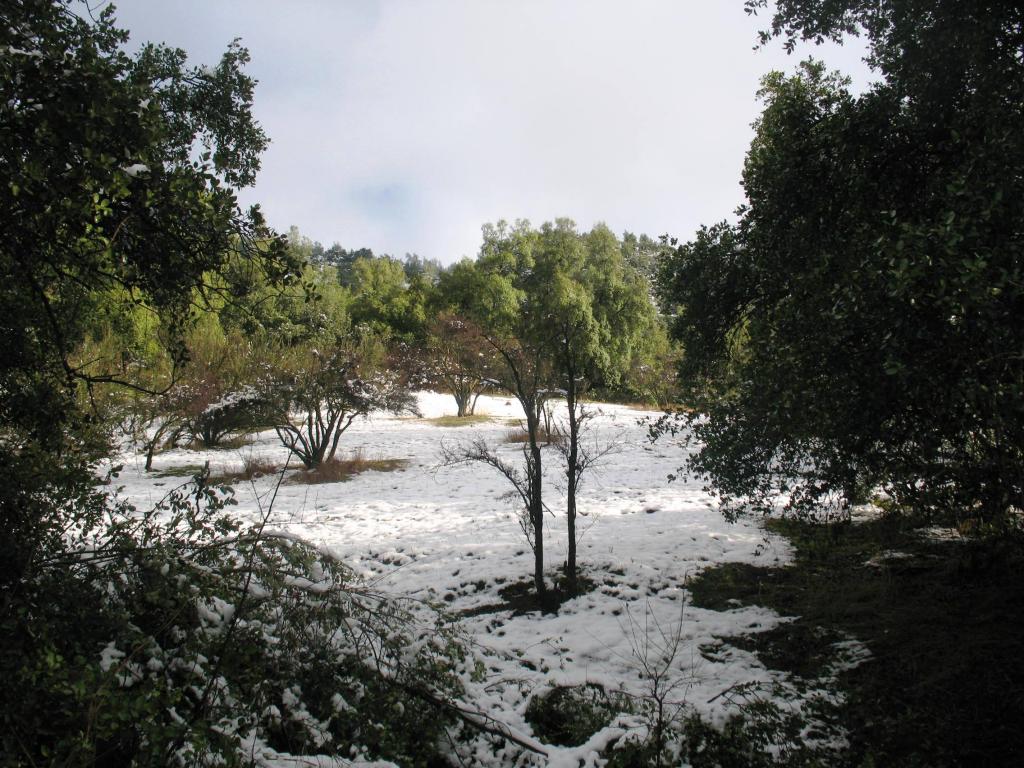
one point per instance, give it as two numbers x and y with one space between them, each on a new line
656 648
151 422
524 481
525 371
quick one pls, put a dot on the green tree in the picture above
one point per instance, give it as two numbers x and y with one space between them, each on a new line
458 359
177 635
859 326
386 300
343 261
216 396
563 313
416 266
115 177
592 310
498 293
642 253
320 392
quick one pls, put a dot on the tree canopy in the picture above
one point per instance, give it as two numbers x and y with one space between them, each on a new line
562 313
115 181
859 326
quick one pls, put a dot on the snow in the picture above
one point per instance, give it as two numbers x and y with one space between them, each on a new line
110 656
451 536
10 50
940 533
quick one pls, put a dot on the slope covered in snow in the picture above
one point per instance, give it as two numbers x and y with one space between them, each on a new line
450 536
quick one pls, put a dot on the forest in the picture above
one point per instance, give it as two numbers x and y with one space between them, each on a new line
748 496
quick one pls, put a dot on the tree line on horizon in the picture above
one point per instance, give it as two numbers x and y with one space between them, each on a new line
411 322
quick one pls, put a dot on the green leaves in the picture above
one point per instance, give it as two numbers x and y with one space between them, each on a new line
104 189
569 297
855 328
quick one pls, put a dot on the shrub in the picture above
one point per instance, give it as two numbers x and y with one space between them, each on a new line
319 395
180 637
252 467
235 413
569 715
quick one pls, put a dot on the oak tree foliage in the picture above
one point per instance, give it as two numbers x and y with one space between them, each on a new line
859 326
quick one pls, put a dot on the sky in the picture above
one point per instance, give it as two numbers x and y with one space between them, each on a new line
405 125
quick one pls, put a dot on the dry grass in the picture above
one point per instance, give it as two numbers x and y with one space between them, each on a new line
184 470
252 468
520 435
339 470
458 421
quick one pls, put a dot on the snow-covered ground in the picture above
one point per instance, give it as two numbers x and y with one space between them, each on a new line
451 535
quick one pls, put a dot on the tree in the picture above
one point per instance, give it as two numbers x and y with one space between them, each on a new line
642 253
116 178
308 308
149 146
178 635
858 327
498 293
319 393
417 267
562 313
593 309
458 359
342 260
385 300
217 396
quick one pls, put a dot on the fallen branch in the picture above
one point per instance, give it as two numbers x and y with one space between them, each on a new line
480 720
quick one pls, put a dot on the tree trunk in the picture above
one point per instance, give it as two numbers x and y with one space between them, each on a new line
572 477
153 445
462 401
534 480
537 517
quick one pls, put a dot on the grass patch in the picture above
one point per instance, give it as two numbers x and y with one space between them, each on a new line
945 683
339 470
520 435
796 647
458 421
252 467
229 443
